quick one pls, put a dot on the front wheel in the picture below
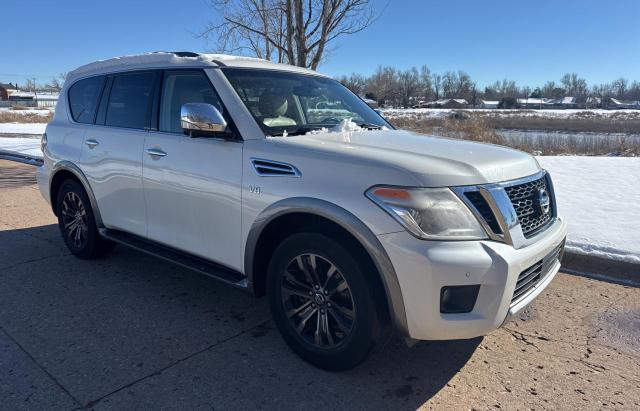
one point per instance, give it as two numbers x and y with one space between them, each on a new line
322 302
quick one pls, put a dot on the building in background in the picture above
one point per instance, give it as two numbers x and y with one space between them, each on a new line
488 103
6 90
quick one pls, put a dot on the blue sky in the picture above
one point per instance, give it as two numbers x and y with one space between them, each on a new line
527 41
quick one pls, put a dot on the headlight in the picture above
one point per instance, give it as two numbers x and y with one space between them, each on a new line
428 213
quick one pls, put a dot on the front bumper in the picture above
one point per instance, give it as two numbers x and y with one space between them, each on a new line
424 267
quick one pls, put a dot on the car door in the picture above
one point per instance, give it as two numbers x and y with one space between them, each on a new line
112 153
192 186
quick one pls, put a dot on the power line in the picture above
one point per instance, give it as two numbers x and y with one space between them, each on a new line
27 75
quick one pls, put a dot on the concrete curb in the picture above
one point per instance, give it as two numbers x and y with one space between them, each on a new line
604 269
20 158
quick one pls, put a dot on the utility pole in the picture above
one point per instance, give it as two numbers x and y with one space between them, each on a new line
35 93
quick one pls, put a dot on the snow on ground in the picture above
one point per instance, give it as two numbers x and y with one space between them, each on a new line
436 113
22 128
28 146
598 196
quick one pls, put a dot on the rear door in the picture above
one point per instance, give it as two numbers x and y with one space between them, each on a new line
192 185
112 156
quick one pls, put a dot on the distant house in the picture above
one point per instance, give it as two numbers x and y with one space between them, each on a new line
371 103
6 90
615 103
489 103
34 99
567 102
449 103
22 96
593 102
535 102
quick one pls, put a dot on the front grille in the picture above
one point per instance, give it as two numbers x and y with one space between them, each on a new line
533 275
525 199
485 211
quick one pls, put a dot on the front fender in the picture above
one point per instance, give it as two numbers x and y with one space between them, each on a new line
351 224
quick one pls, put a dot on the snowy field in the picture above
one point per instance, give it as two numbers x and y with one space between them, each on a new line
27 146
439 113
22 128
599 197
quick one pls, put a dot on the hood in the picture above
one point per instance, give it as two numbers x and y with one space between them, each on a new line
434 161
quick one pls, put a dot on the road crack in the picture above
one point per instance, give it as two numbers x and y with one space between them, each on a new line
40 366
94 402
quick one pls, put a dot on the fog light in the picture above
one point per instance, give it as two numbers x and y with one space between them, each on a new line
458 299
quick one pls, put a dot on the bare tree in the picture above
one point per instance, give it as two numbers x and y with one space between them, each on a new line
426 84
634 91
383 85
409 85
437 85
355 82
290 31
457 85
56 83
619 87
574 85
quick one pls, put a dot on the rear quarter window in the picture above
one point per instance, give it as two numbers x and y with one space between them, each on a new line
83 99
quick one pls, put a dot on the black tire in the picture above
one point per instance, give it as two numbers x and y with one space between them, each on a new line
75 213
329 347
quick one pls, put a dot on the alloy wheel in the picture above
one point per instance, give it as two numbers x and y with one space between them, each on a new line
74 219
317 301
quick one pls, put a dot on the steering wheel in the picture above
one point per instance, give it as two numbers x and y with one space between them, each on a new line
331 120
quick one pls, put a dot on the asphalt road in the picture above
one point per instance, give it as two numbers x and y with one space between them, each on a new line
133 332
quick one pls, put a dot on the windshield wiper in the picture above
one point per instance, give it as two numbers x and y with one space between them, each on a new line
296 132
370 126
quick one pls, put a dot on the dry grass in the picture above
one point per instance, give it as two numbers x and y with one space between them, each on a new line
612 124
483 130
18 117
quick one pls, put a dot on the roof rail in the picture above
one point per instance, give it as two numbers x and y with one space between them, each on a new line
180 53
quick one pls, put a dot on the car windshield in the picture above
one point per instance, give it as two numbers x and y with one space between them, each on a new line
285 103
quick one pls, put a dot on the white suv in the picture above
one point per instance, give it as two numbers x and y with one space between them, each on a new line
280 181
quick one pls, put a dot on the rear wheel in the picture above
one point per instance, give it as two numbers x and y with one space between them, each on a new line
321 301
77 223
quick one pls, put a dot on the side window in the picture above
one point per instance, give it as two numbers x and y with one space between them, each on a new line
129 100
180 88
83 99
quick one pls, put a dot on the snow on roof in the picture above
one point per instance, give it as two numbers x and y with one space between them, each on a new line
39 96
534 101
22 94
164 59
444 101
568 100
496 102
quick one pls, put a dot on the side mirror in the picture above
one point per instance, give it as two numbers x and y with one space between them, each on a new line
201 120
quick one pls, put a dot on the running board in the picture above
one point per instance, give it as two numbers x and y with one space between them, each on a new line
177 257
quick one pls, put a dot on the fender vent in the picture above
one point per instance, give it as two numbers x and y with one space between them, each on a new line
268 168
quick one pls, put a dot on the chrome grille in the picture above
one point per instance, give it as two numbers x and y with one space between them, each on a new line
514 211
532 276
484 209
525 200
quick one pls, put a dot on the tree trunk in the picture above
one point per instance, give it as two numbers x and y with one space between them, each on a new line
301 44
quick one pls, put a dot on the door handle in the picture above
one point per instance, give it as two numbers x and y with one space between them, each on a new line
91 143
154 152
